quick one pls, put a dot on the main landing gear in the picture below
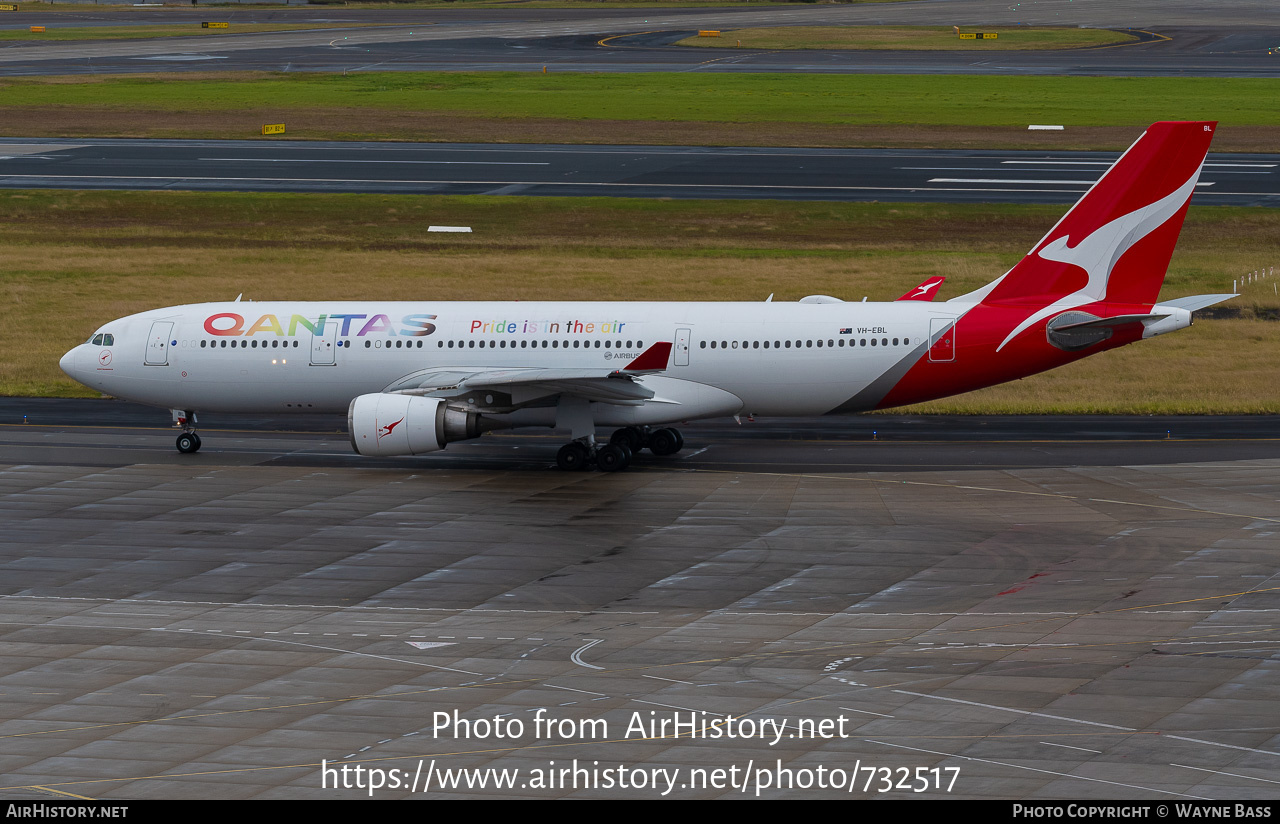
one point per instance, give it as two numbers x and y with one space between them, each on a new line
188 440
623 444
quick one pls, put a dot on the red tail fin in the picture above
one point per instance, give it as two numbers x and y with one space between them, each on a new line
1115 244
1096 275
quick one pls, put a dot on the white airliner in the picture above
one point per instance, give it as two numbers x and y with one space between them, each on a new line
415 376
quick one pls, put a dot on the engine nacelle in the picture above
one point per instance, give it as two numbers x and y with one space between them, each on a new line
385 424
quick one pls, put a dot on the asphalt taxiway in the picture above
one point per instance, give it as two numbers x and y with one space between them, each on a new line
627 171
1180 38
1043 608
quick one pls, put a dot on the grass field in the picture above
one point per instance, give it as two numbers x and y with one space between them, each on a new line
72 260
910 38
54 32
749 109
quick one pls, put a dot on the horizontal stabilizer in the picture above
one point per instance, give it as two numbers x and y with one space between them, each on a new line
1193 303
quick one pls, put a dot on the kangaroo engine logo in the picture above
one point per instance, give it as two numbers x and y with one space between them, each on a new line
384 431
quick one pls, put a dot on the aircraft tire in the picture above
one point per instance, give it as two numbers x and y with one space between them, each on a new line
664 442
572 457
613 458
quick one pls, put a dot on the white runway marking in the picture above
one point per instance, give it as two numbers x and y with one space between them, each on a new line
1020 712
1028 182
341 160
1220 772
1069 747
578 652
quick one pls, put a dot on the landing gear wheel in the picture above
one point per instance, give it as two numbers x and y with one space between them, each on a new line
665 442
572 456
679 440
188 442
613 458
630 436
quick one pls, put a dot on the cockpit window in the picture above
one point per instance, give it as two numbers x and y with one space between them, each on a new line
108 340
97 340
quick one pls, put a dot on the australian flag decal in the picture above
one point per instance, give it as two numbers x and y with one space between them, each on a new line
848 330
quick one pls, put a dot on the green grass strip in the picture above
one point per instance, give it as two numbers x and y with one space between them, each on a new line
752 98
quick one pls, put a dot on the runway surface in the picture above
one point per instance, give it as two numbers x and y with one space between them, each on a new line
624 171
1035 608
1229 39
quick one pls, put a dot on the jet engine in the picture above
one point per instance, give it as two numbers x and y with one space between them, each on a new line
386 424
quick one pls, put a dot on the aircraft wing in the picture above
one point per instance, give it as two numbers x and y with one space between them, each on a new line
498 390
924 291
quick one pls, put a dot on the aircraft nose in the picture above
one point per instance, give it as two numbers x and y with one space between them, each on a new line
68 362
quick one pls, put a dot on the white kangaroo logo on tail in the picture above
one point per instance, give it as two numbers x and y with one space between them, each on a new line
1097 254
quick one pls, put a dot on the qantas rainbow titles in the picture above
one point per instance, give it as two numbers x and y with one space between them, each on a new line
416 376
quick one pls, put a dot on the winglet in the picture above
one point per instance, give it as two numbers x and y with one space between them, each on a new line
924 291
653 359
